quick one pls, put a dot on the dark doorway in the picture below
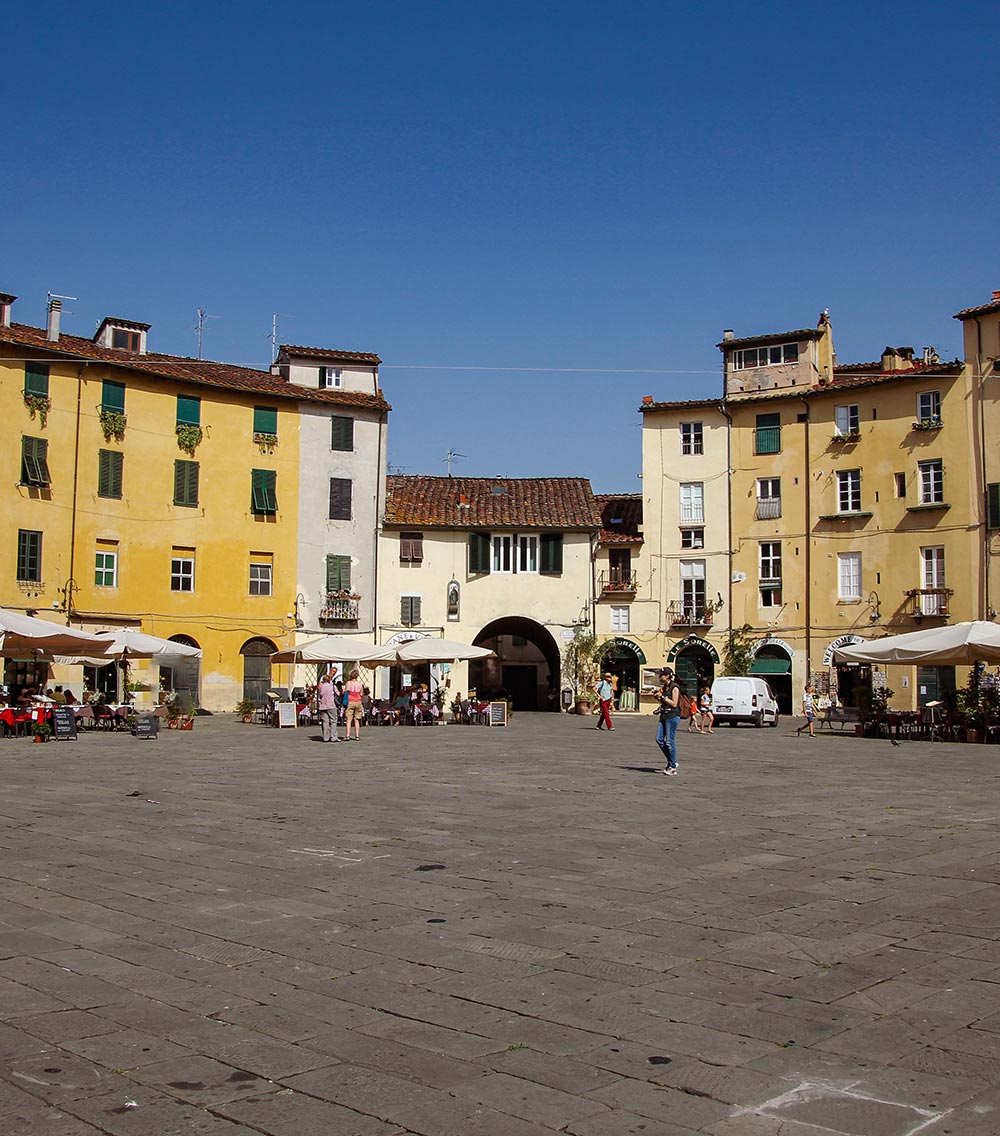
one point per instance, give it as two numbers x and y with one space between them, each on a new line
521 683
257 669
527 653
851 680
694 668
935 684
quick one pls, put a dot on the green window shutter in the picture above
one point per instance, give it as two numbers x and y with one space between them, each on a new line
186 483
993 505
340 499
479 552
265 420
188 411
113 396
34 462
109 473
36 379
338 573
29 555
342 433
551 554
263 495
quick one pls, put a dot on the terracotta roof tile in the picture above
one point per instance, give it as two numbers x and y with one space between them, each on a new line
330 353
686 404
198 372
776 337
982 310
491 503
621 518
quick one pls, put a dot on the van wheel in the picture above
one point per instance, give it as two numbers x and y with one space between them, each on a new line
758 720
774 724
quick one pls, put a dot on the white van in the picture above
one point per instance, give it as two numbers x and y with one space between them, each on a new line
743 698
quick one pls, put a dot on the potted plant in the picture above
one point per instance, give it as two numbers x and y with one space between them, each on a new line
580 664
42 731
112 424
245 709
174 715
39 404
189 437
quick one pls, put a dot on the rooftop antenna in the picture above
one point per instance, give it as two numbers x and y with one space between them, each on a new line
274 332
202 316
450 456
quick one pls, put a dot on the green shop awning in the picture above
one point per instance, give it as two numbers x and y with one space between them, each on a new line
770 667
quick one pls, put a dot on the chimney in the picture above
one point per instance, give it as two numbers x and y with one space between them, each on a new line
930 357
55 311
729 333
996 295
6 303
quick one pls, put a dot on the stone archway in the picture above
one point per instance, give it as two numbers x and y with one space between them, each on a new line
257 669
527 665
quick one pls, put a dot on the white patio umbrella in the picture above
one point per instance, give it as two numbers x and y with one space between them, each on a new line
338 649
431 650
23 635
977 641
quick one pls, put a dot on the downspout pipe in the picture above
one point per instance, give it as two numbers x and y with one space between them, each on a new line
808 541
71 578
983 511
729 509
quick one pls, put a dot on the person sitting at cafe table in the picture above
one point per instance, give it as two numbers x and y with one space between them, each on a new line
69 697
27 697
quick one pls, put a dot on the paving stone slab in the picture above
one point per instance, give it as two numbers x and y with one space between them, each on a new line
294 1114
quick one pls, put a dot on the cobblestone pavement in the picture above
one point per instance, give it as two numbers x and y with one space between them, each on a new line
464 931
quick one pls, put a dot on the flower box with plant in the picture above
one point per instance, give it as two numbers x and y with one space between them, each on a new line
933 422
112 424
38 404
245 709
850 436
42 731
189 437
265 441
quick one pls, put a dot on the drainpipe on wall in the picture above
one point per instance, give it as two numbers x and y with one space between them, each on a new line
379 491
983 511
729 509
808 531
71 578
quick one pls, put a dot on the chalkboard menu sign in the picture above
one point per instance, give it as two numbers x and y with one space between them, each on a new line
63 723
285 715
146 726
498 713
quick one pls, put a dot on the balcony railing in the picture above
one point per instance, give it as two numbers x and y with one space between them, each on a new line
681 614
339 611
929 602
768 508
617 580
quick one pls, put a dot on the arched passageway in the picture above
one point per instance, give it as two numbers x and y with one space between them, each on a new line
526 668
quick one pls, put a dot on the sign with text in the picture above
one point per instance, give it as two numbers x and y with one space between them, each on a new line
146 726
284 714
63 723
498 714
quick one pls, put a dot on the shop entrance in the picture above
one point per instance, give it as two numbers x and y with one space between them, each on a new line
623 660
526 667
773 664
694 661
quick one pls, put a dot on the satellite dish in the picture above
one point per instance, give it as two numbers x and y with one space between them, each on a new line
739 577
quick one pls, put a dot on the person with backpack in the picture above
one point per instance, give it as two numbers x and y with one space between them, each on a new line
669 697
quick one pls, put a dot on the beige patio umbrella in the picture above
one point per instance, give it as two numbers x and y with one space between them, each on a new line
430 650
336 649
24 634
976 641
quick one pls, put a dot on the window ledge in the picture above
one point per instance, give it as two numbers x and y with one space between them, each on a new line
927 505
852 516
849 601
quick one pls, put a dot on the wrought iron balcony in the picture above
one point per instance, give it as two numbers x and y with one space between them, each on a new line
681 614
339 611
929 602
617 580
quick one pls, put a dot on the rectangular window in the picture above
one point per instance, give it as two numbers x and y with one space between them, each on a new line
342 433
693 589
260 577
503 560
113 397
767 435
188 411
105 569
36 379
692 538
527 554
993 505
186 484
848 419
551 554
338 573
692 503
29 556
34 462
263 491
411 547
849 575
479 553
768 498
900 479
619 618
769 553
124 340
340 498
181 572
109 473
929 407
849 490
931 479
932 567
265 420
331 378
692 441
747 357
409 613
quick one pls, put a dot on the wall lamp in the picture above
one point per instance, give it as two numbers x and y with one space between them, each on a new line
875 615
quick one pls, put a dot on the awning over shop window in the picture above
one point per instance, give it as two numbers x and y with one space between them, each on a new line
770 667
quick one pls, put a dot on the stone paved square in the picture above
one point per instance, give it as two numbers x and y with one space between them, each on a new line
499 931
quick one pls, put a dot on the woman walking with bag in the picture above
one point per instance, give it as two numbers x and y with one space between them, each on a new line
670 714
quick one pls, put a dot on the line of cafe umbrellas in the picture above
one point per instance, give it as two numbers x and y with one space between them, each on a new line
343 649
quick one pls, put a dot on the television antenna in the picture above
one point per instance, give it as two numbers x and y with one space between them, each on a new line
274 332
450 456
202 316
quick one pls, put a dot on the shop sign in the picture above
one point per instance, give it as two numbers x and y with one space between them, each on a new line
772 642
619 647
404 637
693 641
843 641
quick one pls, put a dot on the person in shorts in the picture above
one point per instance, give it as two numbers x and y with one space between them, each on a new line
355 709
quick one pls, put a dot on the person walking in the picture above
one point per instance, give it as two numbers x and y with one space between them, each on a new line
355 710
326 705
669 697
605 692
705 705
808 711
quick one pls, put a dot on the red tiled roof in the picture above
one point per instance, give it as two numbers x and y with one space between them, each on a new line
627 507
117 321
776 337
199 372
982 310
330 353
689 404
471 503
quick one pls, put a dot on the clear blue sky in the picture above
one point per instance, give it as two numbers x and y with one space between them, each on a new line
514 185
